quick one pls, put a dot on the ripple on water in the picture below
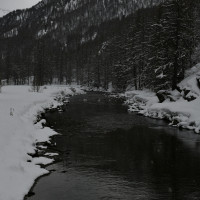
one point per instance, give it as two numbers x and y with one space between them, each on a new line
107 153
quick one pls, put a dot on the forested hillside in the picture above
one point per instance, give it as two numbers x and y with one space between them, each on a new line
146 44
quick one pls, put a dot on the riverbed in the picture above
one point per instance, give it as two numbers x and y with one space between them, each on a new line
107 153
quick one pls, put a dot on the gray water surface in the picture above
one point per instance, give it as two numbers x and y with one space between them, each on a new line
108 154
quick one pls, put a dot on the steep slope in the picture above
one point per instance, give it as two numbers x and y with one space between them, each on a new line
58 38
58 16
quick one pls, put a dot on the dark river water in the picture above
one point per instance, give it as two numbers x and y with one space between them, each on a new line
108 154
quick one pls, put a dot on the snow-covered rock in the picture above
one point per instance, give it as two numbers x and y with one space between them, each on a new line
140 100
190 85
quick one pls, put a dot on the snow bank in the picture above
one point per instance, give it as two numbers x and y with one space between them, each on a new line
140 100
181 113
190 83
18 136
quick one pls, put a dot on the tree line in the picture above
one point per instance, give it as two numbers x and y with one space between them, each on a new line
158 47
151 48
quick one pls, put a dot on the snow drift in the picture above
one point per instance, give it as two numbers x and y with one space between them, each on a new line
18 136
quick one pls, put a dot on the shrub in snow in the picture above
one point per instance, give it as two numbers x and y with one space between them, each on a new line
12 111
73 90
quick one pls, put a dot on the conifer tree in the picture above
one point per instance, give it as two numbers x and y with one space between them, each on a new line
177 32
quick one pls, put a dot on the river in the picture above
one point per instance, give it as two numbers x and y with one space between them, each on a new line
108 154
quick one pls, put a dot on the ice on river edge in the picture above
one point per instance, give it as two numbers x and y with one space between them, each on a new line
19 109
181 113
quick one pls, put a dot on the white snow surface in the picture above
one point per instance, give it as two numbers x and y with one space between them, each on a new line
181 113
18 136
190 81
42 161
51 154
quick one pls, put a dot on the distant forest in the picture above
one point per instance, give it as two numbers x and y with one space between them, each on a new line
149 48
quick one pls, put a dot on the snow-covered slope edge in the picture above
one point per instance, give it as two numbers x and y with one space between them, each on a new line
18 136
182 109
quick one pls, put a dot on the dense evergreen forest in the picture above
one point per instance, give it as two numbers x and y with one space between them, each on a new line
96 44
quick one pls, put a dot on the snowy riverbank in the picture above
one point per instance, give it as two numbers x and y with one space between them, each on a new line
182 109
19 109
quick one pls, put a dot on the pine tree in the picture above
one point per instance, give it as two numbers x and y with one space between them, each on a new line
8 67
39 66
156 70
1 70
176 22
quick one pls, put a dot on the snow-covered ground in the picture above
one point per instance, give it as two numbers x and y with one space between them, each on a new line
19 108
181 112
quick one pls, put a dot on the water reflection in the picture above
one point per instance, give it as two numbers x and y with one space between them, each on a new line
110 154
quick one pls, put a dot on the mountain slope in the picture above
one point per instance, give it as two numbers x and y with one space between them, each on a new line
58 16
61 38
